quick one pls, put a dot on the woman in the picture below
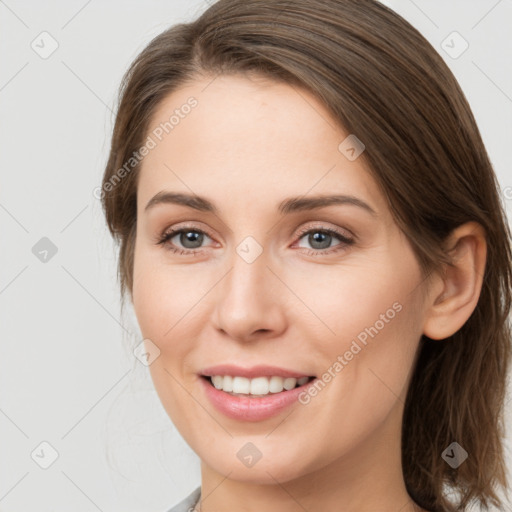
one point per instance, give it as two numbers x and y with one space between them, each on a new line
312 239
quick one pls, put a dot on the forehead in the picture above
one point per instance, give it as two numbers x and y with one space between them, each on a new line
235 136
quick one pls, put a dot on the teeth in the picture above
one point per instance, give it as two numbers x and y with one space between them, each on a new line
257 386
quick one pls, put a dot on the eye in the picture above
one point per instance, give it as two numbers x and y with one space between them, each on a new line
183 240
321 238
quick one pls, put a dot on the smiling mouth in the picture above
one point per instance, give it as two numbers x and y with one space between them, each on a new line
256 387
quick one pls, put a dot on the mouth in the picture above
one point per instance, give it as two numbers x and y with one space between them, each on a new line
254 397
255 387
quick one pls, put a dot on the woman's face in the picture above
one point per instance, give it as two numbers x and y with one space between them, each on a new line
269 274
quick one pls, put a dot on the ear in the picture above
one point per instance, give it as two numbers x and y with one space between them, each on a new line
454 295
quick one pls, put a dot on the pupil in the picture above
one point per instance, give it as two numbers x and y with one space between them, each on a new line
191 237
323 238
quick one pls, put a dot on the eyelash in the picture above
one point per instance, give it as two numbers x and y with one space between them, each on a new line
345 242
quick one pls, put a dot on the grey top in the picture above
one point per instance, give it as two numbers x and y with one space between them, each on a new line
188 504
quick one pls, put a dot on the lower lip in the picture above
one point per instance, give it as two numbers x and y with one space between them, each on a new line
252 409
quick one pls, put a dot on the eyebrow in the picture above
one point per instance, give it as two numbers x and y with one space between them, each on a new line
292 204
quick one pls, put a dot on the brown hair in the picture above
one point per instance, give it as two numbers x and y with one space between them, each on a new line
385 83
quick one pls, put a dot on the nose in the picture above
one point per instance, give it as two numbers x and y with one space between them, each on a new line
249 301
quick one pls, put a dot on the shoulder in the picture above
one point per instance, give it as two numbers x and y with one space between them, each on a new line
188 503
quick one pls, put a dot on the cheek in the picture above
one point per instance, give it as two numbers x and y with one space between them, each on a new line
157 303
167 299
348 300
369 330
163 304
154 296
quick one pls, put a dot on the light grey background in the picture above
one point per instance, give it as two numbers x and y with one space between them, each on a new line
67 376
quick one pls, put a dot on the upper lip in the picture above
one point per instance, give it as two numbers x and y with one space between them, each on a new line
252 372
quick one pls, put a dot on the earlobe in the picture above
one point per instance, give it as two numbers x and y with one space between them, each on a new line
456 297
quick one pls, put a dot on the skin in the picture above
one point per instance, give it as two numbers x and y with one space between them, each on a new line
248 145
